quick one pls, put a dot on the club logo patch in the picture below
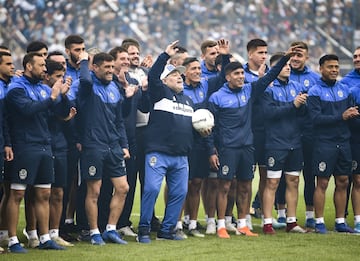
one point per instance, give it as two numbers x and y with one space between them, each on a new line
354 165
271 162
243 98
43 93
152 161
225 170
92 170
340 94
292 93
111 96
306 83
23 174
322 166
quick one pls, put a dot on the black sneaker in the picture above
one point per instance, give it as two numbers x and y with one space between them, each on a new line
155 224
84 235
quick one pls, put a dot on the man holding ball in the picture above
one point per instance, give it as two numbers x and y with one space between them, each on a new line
168 140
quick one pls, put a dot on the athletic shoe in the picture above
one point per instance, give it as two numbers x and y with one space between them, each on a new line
277 225
195 233
181 233
281 220
310 223
320 228
17 248
113 237
167 236
222 233
50 245
33 242
185 225
4 242
97 240
155 224
294 228
246 232
268 229
127 231
210 229
230 227
357 227
145 239
255 212
69 228
1 250
199 226
84 235
343 228
61 242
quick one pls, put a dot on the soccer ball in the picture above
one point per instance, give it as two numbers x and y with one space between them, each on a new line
202 119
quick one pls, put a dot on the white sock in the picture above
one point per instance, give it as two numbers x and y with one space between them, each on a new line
54 233
228 219
290 219
33 234
69 221
320 220
13 240
357 219
44 238
179 225
192 224
241 223
110 227
309 214
94 231
221 223
211 221
339 220
267 221
186 219
282 213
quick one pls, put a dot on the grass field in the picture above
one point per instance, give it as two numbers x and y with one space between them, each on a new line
282 246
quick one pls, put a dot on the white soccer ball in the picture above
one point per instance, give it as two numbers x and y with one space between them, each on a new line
202 119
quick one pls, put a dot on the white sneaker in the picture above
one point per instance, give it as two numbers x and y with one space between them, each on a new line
33 242
210 229
61 242
296 229
127 231
230 227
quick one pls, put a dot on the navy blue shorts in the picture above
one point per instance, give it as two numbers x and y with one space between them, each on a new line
7 170
60 168
32 165
96 164
285 160
199 166
355 152
332 160
237 163
259 145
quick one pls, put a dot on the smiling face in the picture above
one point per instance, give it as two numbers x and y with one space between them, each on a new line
104 71
134 56
330 70
193 73
236 78
298 61
122 61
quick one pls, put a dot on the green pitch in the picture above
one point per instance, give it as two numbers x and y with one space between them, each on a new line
282 246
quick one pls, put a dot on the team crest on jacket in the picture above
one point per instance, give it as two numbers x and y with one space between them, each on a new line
43 93
92 170
152 161
354 165
340 93
201 94
322 166
306 82
111 96
22 174
225 170
271 162
292 93
243 98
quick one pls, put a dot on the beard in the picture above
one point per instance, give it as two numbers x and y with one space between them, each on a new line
73 59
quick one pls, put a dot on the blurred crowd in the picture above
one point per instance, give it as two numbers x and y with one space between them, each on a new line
105 23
